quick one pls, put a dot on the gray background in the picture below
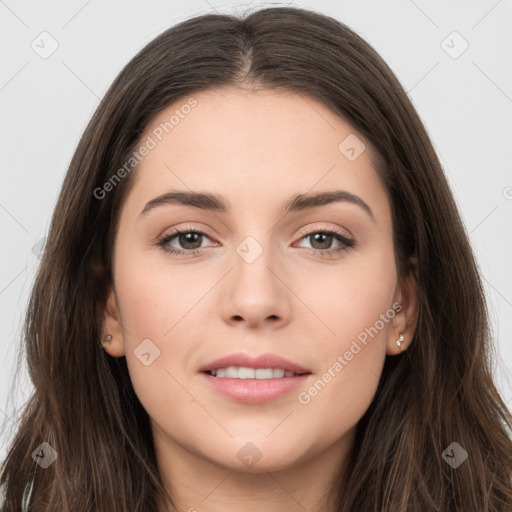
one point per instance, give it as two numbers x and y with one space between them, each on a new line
463 97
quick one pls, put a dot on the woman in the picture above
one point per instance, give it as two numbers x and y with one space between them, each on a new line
249 371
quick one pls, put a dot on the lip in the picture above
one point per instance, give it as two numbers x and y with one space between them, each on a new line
254 391
261 361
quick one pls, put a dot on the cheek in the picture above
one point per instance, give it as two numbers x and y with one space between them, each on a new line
338 398
356 309
158 309
155 294
347 377
352 298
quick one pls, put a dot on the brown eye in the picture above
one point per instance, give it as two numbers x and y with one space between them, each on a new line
189 241
321 242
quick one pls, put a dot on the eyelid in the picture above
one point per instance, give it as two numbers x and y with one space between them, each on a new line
184 229
336 229
181 230
302 233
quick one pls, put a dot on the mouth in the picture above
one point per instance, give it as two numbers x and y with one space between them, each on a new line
254 380
244 372
245 366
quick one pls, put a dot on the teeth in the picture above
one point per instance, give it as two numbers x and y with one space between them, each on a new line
242 372
263 373
232 372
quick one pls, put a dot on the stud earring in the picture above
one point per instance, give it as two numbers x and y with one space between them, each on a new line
399 341
107 339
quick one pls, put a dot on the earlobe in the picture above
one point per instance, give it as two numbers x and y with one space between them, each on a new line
403 325
112 339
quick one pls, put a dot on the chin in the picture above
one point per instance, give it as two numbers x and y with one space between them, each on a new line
259 457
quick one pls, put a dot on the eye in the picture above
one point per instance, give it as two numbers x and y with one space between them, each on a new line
189 239
321 240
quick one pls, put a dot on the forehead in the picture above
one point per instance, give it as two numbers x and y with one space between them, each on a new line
249 145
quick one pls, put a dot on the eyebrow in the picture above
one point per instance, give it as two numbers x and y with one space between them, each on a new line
216 203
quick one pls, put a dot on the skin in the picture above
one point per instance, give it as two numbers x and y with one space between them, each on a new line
257 150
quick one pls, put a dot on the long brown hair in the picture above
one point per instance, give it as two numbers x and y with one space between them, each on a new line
437 392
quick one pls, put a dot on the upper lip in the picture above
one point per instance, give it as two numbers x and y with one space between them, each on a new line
260 361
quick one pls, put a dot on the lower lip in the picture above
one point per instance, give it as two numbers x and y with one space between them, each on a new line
254 391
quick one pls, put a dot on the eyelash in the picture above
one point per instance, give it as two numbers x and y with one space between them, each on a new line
338 235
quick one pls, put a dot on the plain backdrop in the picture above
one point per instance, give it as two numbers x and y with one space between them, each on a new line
58 58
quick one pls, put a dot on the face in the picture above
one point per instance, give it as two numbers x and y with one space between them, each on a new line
277 282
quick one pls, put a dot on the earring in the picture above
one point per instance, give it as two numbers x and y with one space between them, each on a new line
107 339
399 341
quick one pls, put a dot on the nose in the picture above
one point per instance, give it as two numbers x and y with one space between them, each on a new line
255 293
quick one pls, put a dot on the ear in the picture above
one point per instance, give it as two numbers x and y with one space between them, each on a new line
112 325
406 319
